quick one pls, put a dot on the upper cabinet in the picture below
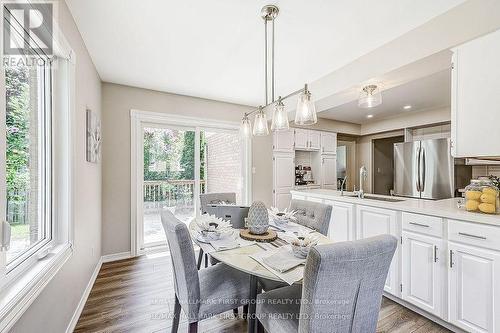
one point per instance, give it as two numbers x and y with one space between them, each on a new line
284 141
307 139
475 102
328 143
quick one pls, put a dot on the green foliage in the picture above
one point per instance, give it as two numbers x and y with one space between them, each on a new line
187 159
18 139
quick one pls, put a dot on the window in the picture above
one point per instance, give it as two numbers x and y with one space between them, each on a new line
28 172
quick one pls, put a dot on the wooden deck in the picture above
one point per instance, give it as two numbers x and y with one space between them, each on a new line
136 295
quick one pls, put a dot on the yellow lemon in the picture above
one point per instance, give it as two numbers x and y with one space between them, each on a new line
489 190
471 205
487 208
473 195
488 198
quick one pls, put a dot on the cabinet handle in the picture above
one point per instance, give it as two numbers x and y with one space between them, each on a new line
419 224
472 236
435 253
451 258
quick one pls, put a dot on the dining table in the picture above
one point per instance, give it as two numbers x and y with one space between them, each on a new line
240 258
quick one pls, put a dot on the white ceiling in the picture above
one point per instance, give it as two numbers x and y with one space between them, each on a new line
214 49
430 92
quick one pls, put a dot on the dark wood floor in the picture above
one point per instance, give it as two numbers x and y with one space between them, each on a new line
137 295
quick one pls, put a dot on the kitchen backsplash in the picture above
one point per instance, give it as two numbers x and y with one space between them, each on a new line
485 170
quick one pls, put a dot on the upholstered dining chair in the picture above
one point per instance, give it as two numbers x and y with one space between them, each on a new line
200 293
341 291
214 199
314 215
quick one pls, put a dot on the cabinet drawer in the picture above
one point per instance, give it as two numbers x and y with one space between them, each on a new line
424 224
474 234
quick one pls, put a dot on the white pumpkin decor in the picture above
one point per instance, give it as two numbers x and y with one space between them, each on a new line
258 218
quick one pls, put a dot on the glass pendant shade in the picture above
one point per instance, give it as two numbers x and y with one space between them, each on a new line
280 117
370 97
245 128
306 110
260 124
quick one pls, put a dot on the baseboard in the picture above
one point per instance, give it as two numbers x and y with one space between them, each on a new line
116 256
83 300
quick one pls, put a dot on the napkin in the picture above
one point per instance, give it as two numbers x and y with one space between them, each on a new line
283 260
225 243
291 276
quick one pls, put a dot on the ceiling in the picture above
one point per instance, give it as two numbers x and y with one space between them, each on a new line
430 92
214 49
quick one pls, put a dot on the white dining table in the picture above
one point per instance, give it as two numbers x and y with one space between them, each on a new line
239 258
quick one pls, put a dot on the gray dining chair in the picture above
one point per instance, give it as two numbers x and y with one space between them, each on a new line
341 291
215 198
200 293
314 215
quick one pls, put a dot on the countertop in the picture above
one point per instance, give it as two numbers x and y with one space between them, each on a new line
446 208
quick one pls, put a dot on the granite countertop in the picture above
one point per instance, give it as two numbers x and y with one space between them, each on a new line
447 208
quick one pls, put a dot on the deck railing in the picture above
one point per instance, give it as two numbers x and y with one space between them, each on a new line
170 192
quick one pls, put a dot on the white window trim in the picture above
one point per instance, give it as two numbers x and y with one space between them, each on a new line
138 119
16 295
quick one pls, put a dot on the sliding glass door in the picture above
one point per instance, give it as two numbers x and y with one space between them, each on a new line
178 163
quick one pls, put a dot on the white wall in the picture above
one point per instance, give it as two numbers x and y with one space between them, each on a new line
117 101
54 307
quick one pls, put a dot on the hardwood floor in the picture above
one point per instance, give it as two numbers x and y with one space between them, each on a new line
137 295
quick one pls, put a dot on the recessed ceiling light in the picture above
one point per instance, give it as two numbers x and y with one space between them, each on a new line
369 116
407 107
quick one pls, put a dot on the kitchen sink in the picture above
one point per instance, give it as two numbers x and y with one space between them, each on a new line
369 197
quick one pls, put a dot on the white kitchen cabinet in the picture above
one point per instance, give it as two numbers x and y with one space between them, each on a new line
341 226
423 267
329 172
283 179
301 138
307 139
371 221
284 141
475 102
314 140
328 143
474 293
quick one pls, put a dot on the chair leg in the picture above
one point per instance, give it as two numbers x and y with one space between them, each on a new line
193 327
177 313
245 311
260 328
206 260
200 259
235 312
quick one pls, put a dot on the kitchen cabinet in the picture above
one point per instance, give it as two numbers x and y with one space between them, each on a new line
284 141
475 102
474 296
341 226
423 267
371 221
283 179
328 143
329 172
307 139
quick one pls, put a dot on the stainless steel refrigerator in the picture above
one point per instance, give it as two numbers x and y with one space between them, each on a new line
424 169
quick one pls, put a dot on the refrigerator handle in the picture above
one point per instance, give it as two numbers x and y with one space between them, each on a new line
418 169
422 170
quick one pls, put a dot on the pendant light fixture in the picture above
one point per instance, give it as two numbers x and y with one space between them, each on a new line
260 125
280 117
306 111
370 97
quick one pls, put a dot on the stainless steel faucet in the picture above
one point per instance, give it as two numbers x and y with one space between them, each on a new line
342 186
362 177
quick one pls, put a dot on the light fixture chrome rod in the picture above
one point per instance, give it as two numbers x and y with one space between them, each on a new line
272 62
282 99
265 61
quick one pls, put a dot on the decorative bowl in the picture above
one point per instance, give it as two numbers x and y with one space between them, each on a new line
302 245
210 227
281 217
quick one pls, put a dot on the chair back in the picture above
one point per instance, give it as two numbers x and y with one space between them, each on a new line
187 284
314 215
214 199
343 284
